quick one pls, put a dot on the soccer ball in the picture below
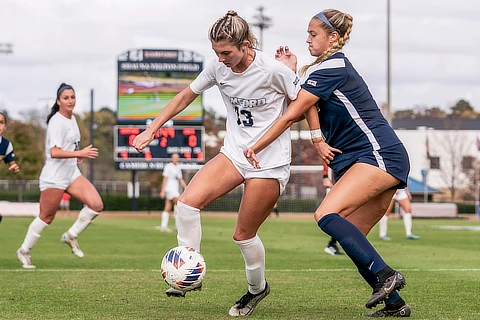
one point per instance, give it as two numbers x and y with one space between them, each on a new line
183 268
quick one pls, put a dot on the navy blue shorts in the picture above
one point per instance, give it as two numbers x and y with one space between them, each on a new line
393 160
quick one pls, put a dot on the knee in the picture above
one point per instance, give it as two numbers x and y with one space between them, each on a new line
96 206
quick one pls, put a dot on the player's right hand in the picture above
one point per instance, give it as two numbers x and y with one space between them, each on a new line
143 140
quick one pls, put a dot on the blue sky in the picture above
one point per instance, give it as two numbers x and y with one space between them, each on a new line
435 45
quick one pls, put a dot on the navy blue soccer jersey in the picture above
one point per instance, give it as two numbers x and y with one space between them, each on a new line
349 117
6 150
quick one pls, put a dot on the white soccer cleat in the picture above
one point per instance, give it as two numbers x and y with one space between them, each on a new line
72 242
164 229
25 259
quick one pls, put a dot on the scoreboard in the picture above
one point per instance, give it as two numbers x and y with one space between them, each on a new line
184 140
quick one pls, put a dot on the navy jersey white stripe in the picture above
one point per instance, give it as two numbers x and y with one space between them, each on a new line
6 150
349 116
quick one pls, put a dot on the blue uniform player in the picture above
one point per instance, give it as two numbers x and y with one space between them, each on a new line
357 142
6 147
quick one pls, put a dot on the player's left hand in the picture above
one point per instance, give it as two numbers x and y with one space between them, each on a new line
251 157
325 152
288 58
79 160
14 168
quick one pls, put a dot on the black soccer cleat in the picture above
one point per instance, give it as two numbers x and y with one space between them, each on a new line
402 312
248 302
383 289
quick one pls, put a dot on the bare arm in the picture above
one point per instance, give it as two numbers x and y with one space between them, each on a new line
174 107
87 152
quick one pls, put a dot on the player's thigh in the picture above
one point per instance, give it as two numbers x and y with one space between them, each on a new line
49 202
216 178
368 215
84 191
259 198
361 183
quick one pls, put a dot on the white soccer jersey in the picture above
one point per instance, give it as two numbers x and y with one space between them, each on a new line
173 173
254 99
63 133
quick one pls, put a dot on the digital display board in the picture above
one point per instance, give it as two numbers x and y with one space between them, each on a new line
184 140
148 79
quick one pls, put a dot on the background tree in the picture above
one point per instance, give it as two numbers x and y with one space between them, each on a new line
453 147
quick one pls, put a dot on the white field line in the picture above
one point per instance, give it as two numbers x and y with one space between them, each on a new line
235 270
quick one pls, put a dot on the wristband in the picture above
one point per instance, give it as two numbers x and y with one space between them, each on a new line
316 133
325 176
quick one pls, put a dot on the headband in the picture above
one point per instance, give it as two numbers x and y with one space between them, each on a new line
324 19
63 88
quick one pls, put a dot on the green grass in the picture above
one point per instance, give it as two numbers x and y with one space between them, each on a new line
119 277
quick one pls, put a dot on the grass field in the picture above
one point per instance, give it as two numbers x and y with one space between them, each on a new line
119 277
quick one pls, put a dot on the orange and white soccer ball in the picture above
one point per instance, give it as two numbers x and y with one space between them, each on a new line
183 268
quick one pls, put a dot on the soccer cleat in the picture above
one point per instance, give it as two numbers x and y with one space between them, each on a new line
332 250
402 312
25 259
163 229
413 237
171 292
383 289
385 238
72 242
248 302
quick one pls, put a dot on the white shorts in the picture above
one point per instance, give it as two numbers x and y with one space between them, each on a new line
60 183
171 194
282 174
401 194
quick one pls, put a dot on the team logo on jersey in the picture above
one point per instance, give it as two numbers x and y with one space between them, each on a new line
247 103
313 83
295 82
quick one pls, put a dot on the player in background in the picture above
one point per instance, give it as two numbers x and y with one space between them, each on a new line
65 202
172 180
403 197
275 209
357 142
6 147
61 174
331 248
255 89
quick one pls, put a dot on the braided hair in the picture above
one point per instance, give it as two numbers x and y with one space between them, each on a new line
233 29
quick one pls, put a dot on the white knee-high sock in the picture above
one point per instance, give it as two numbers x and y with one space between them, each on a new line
383 226
33 234
188 226
165 218
85 217
254 255
407 222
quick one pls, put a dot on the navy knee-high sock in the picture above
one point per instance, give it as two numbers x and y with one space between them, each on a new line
353 242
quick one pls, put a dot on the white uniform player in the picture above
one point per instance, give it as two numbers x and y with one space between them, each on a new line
255 89
173 173
60 174
172 179
402 196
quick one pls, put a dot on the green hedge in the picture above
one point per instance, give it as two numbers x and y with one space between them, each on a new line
226 203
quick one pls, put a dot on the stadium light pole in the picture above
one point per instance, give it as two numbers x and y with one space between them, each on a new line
92 118
389 108
262 22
